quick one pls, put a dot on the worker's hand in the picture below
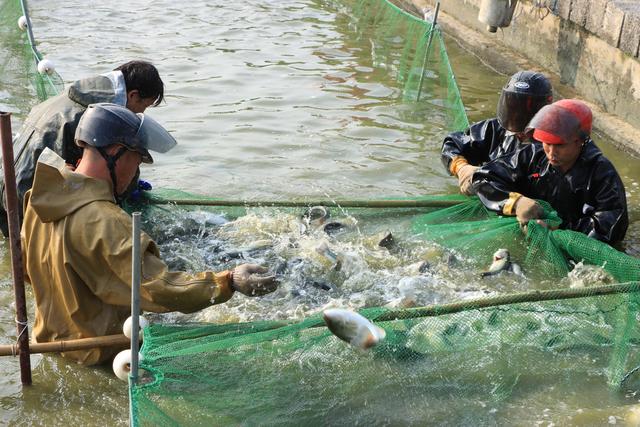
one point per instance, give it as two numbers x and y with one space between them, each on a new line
253 280
465 175
527 209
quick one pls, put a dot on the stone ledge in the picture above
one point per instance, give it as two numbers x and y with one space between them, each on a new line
581 63
630 33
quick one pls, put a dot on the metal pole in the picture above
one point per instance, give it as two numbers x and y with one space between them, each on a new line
13 217
136 264
426 52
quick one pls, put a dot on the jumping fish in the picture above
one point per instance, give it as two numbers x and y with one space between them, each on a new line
315 216
502 262
324 250
353 328
334 227
387 241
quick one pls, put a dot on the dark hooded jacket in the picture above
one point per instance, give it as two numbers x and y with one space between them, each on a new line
590 197
52 124
480 143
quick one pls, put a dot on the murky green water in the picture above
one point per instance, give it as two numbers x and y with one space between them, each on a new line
267 100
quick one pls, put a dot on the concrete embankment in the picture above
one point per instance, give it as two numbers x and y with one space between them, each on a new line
589 49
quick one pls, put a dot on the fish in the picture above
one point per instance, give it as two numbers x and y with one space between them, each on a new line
324 250
315 216
418 268
502 262
319 284
387 241
334 227
353 328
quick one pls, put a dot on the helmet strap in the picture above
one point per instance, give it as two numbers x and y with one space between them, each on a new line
111 164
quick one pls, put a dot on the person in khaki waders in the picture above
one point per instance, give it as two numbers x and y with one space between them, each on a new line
77 244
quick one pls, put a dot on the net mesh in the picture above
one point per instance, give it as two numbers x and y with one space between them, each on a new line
19 58
439 360
413 51
268 373
439 364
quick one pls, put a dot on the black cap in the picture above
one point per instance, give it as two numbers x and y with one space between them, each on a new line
521 98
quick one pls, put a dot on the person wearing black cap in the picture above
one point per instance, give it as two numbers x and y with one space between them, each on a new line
521 98
566 169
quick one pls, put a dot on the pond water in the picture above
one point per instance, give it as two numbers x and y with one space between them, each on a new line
273 100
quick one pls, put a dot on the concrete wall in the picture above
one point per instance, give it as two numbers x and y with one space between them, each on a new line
589 48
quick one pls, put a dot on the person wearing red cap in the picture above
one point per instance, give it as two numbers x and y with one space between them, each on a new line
520 99
566 169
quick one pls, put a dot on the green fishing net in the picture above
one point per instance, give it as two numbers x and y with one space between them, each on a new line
414 52
431 368
19 57
450 358
480 361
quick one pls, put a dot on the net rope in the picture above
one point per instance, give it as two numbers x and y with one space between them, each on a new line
19 55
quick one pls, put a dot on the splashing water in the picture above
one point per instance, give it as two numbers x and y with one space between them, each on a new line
350 261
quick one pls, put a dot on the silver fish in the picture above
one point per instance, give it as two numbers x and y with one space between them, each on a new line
502 262
353 328
324 250
315 216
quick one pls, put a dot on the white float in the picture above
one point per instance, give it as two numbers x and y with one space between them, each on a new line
126 327
122 364
45 66
22 23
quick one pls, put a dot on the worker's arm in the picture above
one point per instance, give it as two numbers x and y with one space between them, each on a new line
102 259
474 145
605 215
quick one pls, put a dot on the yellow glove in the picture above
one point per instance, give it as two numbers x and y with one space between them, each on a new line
527 209
464 171
465 176
253 280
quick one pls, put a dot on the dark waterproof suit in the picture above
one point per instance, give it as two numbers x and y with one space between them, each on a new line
590 197
480 143
52 124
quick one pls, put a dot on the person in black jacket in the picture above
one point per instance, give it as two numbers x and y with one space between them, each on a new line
463 152
567 170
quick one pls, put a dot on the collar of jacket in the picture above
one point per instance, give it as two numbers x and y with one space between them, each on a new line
590 151
119 87
93 90
57 191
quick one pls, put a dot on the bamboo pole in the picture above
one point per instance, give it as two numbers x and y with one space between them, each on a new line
68 345
13 217
306 203
428 48
517 298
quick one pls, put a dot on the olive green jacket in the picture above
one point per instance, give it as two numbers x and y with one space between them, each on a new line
77 248
52 124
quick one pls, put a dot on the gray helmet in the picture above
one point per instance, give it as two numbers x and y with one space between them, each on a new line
105 124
